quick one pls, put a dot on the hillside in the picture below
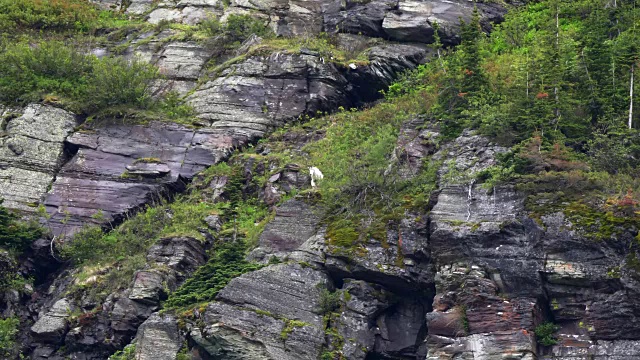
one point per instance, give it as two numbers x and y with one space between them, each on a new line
479 196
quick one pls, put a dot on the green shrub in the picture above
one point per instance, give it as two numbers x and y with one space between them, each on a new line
128 353
329 301
28 73
93 246
8 331
61 73
117 82
16 235
234 31
54 15
544 333
227 263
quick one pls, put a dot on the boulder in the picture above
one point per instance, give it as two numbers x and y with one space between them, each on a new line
52 325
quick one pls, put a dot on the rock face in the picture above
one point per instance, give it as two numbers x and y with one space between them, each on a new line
31 152
262 93
52 325
470 276
100 331
273 313
158 339
294 224
404 20
119 168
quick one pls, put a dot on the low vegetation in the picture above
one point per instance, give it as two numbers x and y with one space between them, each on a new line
78 16
8 332
544 333
16 235
228 261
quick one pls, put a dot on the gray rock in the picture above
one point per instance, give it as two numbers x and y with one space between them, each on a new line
252 316
31 152
52 325
270 288
181 254
402 329
399 263
158 338
213 222
295 223
356 323
149 286
516 345
182 60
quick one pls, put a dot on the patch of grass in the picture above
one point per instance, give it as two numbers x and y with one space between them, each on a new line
289 326
128 353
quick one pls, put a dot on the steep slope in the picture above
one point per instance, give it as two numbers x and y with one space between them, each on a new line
103 171
459 218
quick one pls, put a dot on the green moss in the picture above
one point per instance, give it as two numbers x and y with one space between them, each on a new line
147 160
342 233
289 326
600 224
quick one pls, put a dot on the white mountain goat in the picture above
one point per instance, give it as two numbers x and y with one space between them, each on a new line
316 174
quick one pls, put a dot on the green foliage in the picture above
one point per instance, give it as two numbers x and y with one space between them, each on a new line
289 326
128 353
465 319
227 262
175 107
544 333
58 72
113 257
362 182
564 81
92 246
8 331
16 235
329 301
54 15
234 31
114 81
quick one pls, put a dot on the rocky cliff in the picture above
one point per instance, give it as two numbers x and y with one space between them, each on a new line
471 272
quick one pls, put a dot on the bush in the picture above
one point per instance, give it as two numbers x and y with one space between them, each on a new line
128 353
93 246
16 235
234 31
329 301
117 82
544 333
61 73
227 263
8 331
52 15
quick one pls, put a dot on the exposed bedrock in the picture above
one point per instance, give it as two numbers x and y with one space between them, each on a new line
404 20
